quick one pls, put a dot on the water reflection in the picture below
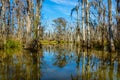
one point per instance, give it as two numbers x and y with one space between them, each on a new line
59 62
23 66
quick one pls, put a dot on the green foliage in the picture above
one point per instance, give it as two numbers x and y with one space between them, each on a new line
107 45
48 42
117 45
1 43
97 45
60 24
52 42
12 44
62 41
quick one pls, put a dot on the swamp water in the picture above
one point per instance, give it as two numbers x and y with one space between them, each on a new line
59 62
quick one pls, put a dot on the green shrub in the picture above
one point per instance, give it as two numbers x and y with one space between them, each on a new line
12 44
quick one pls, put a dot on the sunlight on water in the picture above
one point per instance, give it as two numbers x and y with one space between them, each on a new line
59 63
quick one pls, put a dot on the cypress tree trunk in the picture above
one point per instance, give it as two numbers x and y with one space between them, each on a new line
28 25
103 29
118 18
83 23
3 22
78 27
87 22
110 36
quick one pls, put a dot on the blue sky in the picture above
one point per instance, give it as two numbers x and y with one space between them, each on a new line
58 8
53 9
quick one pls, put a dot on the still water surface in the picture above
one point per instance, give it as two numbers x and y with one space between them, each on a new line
63 62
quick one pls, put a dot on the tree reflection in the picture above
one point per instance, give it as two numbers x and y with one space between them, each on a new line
79 64
77 60
23 66
60 58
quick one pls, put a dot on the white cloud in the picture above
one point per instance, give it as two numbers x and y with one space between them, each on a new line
57 1
66 11
65 2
